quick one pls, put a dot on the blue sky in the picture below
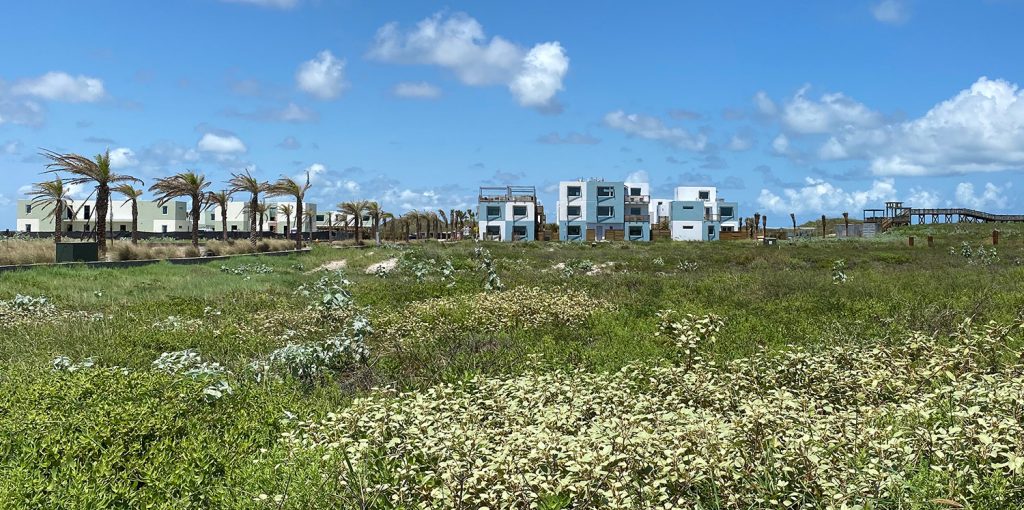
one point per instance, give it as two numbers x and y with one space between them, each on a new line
805 107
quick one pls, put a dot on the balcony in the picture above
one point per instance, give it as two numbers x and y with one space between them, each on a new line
508 194
636 218
638 199
712 217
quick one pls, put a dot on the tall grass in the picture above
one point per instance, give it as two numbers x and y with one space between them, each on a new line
26 251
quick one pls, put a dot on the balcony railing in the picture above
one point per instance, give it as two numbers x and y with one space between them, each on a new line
712 217
638 199
636 218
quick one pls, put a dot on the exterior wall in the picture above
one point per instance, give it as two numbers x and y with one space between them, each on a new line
590 203
506 220
658 209
683 230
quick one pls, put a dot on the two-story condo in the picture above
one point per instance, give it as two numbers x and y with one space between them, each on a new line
596 210
697 214
509 213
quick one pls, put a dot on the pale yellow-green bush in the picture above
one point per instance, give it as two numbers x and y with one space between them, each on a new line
26 251
845 427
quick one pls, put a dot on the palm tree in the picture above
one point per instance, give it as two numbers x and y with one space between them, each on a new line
131 194
764 225
355 209
249 184
286 186
185 184
52 194
310 217
85 171
442 220
287 210
757 222
374 211
220 200
386 219
261 214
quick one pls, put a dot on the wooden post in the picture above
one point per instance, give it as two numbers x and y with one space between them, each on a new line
931 242
910 241
822 225
995 237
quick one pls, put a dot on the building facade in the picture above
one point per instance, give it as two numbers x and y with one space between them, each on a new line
698 214
598 210
509 213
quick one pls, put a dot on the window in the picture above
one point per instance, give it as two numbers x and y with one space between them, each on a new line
70 213
687 227
28 208
87 212
493 230
704 195
635 211
573 191
605 211
124 228
726 228
634 192
28 228
725 210
163 228
636 231
164 212
711 230
70 228
213 216
687 207
519 230
573 210
319 217
493 211
518 210
572 230
273 217
605 191
234 228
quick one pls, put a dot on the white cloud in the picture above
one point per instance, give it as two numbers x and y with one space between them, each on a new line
981 129
122 157
818 196
892 12
416 90
923 198
458 43
277 4
740 142
322 77
780 145
653 128
58 86
764 104
540 79
993 197
221 144
290 143
638 177
10 147
20 111
832 112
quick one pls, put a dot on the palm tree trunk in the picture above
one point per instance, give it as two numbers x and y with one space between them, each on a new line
298 224
58 221
195 222
135 221
102 196
224 221
252 221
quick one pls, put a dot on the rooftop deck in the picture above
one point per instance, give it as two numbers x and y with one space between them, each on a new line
508 194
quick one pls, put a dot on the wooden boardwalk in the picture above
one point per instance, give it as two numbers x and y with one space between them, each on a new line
895 214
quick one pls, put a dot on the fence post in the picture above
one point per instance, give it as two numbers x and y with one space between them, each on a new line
931 242
995 237
910 241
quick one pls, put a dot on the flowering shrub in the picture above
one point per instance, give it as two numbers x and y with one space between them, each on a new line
522 307
977 256
189 363
689 334
176 323
839 272
64 364
27 311
845 427
248 269
687 266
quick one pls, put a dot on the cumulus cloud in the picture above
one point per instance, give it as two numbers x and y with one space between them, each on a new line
122 157
740 142
322 77
831 112
892 12
923 198
570 138
780 145
764 104
992 197
290 143
458 43
638 177
221 144
58 86
652 128
981 129
10 147
291 113
22 112
416 90
821 197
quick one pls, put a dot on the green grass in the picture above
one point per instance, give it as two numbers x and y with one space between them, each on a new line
129 436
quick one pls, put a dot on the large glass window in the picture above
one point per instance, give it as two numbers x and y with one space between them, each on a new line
635 192
636 231
519 230
493 230
725 210
28 208
573 191
573 210
518 210
493 210
573 230
704 195
605 211
164 211
88 212
635 211
605 191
